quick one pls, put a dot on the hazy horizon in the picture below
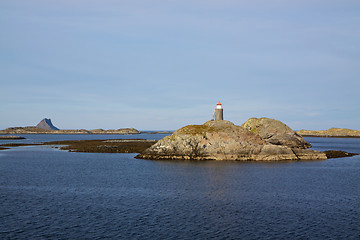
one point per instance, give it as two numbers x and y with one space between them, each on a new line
143 130
165 64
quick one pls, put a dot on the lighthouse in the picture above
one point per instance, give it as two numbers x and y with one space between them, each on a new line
218 114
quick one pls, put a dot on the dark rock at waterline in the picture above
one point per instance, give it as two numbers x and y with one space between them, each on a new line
94 146
11 137
338 154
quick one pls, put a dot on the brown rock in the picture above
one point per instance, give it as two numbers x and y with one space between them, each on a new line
222 140
338 154
275 132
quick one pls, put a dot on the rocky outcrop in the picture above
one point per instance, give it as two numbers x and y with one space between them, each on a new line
115 131
275 132
46 124
338 154
222 140
332 132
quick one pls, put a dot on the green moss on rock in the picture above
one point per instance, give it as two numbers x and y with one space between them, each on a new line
196 129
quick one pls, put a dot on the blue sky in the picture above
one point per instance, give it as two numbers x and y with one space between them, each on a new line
165 64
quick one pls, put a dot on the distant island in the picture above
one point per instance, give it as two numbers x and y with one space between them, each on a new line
45 126
35 130
332 132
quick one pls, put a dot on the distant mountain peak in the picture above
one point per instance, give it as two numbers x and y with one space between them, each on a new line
46 124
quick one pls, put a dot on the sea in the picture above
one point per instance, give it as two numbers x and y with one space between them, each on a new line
47 193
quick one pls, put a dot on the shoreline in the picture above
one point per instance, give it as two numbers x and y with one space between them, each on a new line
329 136
332 132
123 146
93 146
72 133
11 137
37 130
85 133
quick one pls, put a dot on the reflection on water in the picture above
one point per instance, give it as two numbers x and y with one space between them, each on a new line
47 193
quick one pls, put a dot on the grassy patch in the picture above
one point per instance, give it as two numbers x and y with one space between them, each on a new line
197 129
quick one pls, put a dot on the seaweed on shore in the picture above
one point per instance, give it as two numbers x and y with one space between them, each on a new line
19 144
94 146
124 146
105 146
11 137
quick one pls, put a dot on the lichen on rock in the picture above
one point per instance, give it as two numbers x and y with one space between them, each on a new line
275 132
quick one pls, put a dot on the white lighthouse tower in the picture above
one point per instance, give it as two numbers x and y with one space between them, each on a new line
218 113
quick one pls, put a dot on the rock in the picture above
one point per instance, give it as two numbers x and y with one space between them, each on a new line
222 140
11 137
46 124
338 154
332 132
275 132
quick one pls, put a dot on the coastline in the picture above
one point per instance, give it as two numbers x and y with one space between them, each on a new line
93 146
11 137
123 146
329 136
332 132
71 133
32 130
126 131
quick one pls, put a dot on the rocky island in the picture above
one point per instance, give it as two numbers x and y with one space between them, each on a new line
35 130
257 140
45 126
332 132
261 139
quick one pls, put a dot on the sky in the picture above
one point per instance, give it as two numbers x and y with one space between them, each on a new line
164 64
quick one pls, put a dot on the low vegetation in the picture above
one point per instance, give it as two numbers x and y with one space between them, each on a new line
95 146
105 146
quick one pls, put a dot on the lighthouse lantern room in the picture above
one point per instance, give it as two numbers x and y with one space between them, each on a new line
219 114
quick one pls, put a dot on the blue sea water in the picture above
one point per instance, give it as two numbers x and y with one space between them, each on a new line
47 193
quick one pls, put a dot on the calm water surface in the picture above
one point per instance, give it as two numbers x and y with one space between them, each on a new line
51 194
